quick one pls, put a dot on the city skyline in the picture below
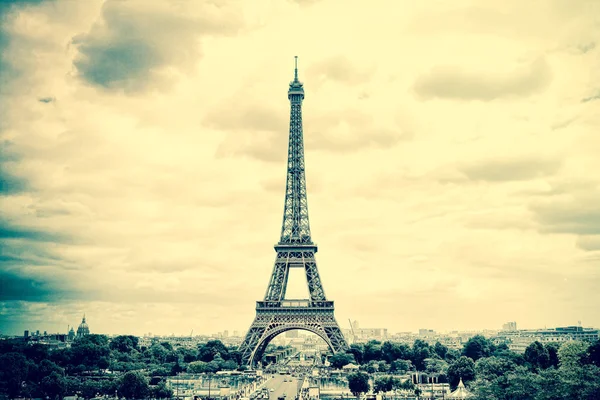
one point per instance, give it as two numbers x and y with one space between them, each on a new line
448 152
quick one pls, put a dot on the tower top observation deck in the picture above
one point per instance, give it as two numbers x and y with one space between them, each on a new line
296 87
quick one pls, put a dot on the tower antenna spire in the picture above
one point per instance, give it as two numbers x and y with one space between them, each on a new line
296 68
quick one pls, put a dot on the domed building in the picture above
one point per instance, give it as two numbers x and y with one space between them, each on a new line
71 334
83 328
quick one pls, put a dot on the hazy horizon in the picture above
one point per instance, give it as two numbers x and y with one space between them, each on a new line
450 157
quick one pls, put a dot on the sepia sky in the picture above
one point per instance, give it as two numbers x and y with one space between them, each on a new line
452 152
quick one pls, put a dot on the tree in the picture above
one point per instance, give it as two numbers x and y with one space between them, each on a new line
134 385
594 353
338 360
161 391
13 372
91 352
54 386
372 351
420 351
463 368
435 366
208 351
358 383
45 368
440 350
490 368
385 384
537 355
571 354
36 352
522 385
90 388
124 343
552 348
391 352
519 384
357 350
452 355
401 366
477 347
407 385
229 365
197 367
371 367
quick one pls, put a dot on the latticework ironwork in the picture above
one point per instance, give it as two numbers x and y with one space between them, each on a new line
295 249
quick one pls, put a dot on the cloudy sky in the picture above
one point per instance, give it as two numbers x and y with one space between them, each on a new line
452 151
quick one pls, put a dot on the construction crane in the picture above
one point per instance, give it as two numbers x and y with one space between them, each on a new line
191 333
352 329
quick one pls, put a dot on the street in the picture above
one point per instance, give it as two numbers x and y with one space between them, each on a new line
280 387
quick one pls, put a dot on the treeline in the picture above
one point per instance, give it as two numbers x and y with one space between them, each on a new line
544 372
33 370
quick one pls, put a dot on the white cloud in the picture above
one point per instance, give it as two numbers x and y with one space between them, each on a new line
160 209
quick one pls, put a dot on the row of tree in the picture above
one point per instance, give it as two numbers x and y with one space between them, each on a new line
544 372
36 371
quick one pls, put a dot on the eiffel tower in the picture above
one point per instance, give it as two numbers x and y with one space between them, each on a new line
275 314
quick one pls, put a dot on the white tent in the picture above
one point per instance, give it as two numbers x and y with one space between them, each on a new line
461 392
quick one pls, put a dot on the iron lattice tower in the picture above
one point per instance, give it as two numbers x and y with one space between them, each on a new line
275 314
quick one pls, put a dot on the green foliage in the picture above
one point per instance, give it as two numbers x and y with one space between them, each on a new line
338 360
386 384
463 368
197 367
395 351
91 388
91 352
490 368
478 347
372 351
124 343
401 366
571 354
358 383
357 350
435 366
536 354
440 350
14 368
161 391
134 385
594 353
209 351
576 378
407 385
420 351
32 370
54 385
552 349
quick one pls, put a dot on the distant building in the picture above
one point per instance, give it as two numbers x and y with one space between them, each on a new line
26 334
509 326
426 332
225 334
83 328
519 340
293 334
71 334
